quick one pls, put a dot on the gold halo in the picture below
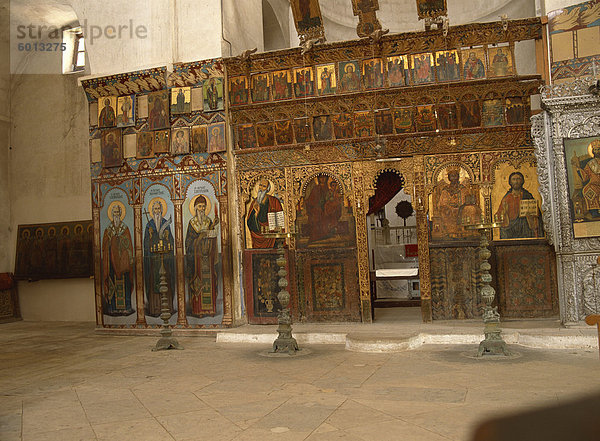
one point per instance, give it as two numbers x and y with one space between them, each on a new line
595 142
163 204
112 205
208 204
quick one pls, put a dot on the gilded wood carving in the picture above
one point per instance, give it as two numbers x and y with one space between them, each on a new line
397 44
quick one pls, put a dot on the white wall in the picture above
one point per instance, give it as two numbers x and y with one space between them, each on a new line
4 139
57 300
159 33
401 16
276 24
50 180
198 30
130 52
242 26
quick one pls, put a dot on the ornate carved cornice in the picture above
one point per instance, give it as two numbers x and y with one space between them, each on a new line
395 44
497 138
194 73
158 167
141 81
386 98
571 91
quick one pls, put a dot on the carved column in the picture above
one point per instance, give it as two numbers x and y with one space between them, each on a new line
226 261
139 264
97 267
179 264
362 248
421 206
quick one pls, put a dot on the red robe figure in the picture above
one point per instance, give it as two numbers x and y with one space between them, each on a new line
513 225
258 217
201 251
324 209
117 266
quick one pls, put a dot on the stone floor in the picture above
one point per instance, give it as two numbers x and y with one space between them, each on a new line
63 381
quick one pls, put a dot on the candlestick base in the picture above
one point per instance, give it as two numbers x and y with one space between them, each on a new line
166 341
492 344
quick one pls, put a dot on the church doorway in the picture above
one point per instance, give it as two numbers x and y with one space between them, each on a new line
393 250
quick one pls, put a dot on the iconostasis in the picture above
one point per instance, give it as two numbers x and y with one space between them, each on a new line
159 193
303 138
450 114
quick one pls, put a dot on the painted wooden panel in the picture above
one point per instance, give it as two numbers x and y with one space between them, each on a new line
261 285
328 290
526 281
54 251
455 283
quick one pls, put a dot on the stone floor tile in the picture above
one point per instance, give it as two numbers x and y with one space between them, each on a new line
77 434
69 377
333 435
204 424
10 420
277 433
399 409
457 423
297 416
51 418
11 436
165 402
115 411
247 413
147 429
88 395
352 414
394 431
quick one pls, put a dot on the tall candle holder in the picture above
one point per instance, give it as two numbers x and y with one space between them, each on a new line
166 341
284 343
492 344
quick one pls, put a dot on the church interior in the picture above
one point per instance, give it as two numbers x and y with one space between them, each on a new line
384 174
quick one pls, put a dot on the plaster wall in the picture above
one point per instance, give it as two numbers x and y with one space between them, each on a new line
198 21
401 16
242 26
4 138
276 32
128 52
50 182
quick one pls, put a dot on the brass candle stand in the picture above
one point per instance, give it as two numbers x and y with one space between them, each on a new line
493 344
284 343
166 341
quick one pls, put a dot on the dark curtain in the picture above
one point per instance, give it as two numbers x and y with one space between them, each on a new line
388 184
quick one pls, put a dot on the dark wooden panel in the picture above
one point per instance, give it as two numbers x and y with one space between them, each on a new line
9 299
261 285
329 286
526 281
54 251
455 283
